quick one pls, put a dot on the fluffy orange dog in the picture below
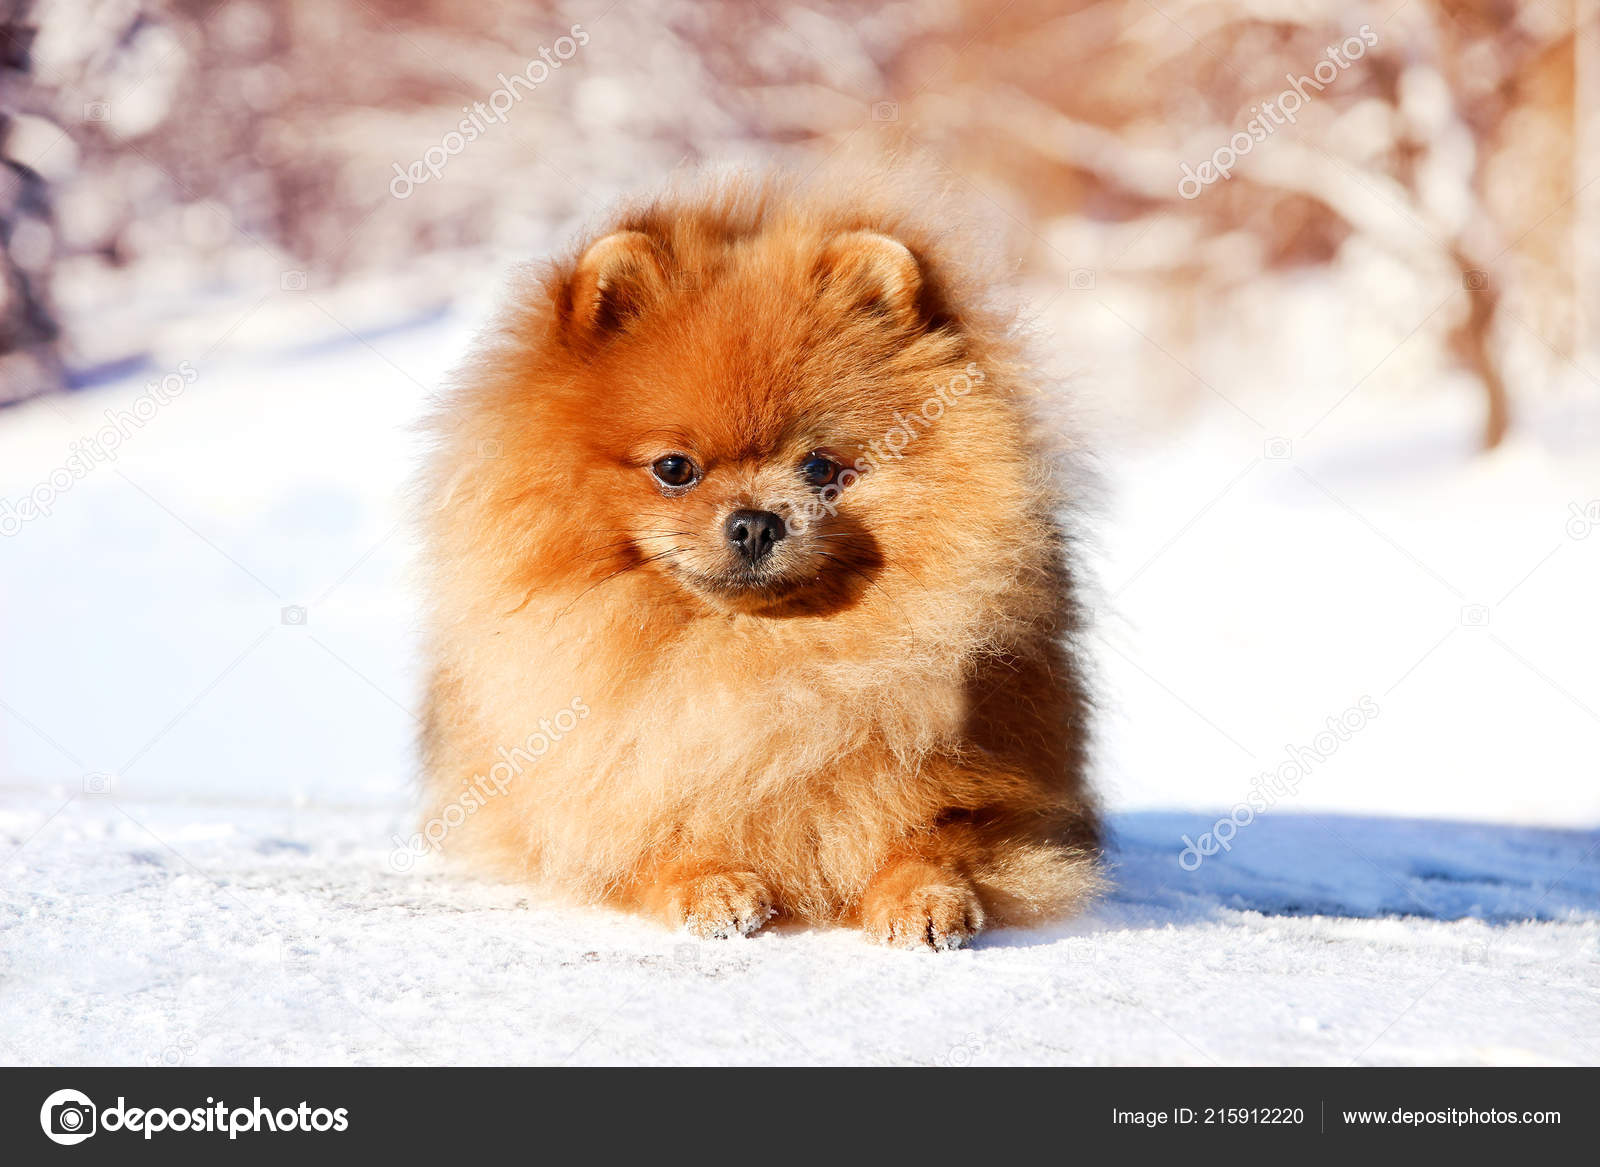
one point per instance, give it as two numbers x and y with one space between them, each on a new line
749 595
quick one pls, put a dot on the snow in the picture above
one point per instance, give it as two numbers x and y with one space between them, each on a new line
206 745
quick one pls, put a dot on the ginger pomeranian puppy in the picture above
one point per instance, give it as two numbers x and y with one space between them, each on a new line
749 591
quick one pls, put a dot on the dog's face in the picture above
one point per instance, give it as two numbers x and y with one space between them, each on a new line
750 529
761 431
782 424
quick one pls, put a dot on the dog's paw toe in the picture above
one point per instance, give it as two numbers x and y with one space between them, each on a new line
725 905
940 917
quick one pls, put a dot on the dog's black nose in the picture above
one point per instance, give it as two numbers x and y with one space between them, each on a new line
752 533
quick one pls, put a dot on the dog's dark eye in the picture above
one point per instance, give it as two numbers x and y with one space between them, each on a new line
675 471
818 470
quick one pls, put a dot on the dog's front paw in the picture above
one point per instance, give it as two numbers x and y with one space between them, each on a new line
921 907
731 903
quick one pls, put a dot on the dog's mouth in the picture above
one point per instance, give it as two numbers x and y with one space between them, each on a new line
800 572
816 584
740 583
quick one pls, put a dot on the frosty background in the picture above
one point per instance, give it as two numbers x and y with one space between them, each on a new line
1338 352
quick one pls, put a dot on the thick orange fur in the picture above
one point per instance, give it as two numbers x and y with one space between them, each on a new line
892 732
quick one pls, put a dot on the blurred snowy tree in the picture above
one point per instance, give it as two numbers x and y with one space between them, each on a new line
28 330
190 148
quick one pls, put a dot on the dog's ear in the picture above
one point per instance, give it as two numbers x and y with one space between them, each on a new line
616 280
868 271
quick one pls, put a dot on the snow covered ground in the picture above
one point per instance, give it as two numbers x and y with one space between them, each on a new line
206 717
